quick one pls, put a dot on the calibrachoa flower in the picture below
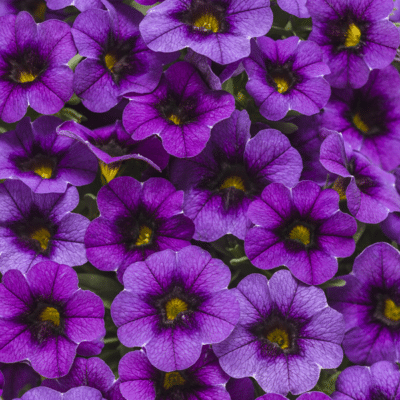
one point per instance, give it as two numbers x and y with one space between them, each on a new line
301 228
370 304
286 75
43 160
112 145
220 30
232 170
286 333
380 381
117 59
33 66
391 225
136 220
81 5
37 8
78 393
181 110
355 37
305 396
369 118
44 316
369 191
295 7
38 227
241 389
174 302
202 381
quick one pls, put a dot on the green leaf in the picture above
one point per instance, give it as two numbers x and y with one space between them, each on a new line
74 61
333 283
69 114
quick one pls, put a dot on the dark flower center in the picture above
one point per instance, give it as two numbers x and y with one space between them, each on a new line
299 234
340 186
45 321
112 146
177 111
172 379
205 16
387 309
37 8
281 77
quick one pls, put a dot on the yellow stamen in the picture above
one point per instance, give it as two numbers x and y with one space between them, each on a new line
25 77
42 235
360 124
110 60
173 379
50 314
392 311
340 186
144 236
207 22
175 119
280 337
353 36
300 233
282 84
233 181
174 307
109 171
40 11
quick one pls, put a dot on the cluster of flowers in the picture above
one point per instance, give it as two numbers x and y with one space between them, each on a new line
226 147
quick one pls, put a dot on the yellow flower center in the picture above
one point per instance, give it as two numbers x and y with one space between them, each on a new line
353 36
50 314
110 60
392 311
360 124
280 337
233 181
43 169
207 22
340 186
175 119
40 11
281 83
173 379
300 233
144 236
174 307
25 77
42 235
109 171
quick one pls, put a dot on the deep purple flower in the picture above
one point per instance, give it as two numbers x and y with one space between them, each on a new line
380 381
38 227
44 316
220 30
204 380
369 191
295 7
369 118
181 110
305 396
286 75
241 389
232 170
92 372
43 160
286 333
355 37
33 66
136 220
112 145
391 225
174 302
117 59
370 304
79 393
301 228
81 5
395 14
37 8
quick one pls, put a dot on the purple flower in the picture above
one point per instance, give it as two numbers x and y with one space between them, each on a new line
43 160
220 30
369 191
136 220
81 5
305 396
295 7
232 170
37 8
370 304
174 302
79 393
112 145
355 37
380 381
204 380
286 333
302 229
39 227
44 316
181 110
286 75
369 118
241 389
117 59
92 372
33 66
